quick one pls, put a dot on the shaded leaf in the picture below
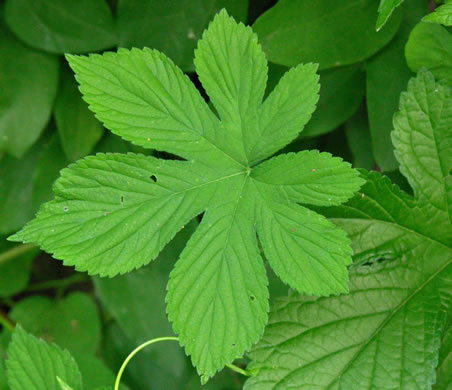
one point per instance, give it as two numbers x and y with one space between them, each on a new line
62 26
430 46
329 32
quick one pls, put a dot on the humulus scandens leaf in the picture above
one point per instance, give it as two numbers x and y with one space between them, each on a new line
385 334
113 212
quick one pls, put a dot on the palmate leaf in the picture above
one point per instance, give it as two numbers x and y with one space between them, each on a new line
113 212
386 333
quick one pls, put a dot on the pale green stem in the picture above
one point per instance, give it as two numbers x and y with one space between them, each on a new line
134 352
15 251
238 369
153 341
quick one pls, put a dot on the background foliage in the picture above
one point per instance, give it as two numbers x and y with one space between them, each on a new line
45 125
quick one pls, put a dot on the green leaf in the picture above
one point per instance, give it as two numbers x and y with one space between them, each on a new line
33 364
430 46
341 94
3 380
441 15
16 207
15 273
386 332
145 23
77 127
72 323
444 369
308 177
281 117
387 76
62 26
94 371
422 138
157 106
359 140
50 162
385 10
113 213
28 79
313 30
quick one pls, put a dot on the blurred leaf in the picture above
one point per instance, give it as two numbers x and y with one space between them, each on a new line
330 32
140 310
72 322
77 126
94 372
62 26
172 26
34 365
441 15
358 137
430 46
341 93
16 189
51 160
387 76
385 10
15 273
3 383
28 85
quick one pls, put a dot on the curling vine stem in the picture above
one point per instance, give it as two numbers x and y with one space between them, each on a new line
153 341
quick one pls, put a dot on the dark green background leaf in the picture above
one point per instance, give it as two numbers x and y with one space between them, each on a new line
171 26
77 126
430 46
330 32
62 26
28 85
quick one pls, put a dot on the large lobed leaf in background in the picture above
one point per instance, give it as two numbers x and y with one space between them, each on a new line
113 213
386 332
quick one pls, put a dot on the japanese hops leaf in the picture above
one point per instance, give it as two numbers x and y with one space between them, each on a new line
113 213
